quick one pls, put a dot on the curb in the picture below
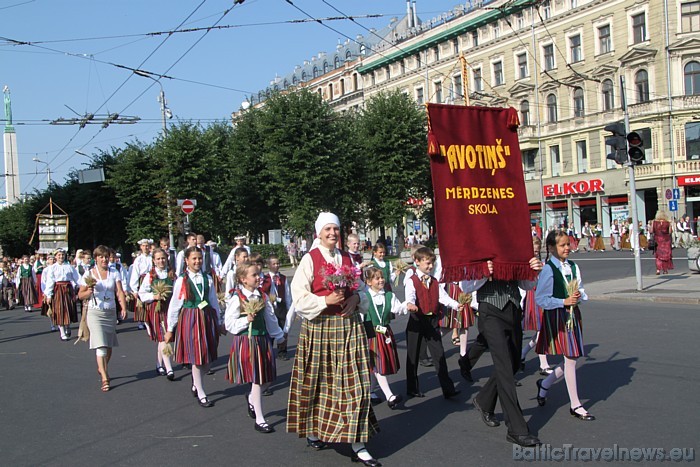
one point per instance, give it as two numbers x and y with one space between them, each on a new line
640 297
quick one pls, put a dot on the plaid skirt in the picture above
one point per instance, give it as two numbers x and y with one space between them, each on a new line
156 321
329 395
63 305
27 291
532 314
252 360
384 356
556 339
196 336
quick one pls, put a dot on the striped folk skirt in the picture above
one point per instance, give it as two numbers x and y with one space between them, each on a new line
27 291
573 242
329 395
252 360
532 314
384 356
156 321
455 319
556 339
63 306
196 336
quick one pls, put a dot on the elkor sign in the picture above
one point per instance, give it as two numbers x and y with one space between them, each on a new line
684 180
580 187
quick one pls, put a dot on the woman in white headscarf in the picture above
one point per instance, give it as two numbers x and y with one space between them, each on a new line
329 396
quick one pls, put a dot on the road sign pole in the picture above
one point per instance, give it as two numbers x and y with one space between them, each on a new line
634 231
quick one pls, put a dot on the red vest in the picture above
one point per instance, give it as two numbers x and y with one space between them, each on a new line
266 284
427 300
356 258
317 287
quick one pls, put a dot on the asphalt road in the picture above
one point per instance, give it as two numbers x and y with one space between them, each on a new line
640 380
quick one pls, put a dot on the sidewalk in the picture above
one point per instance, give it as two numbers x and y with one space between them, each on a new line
680 288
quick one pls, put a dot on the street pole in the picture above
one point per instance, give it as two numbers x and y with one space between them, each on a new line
633 193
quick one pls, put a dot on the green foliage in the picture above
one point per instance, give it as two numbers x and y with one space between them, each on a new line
266 250
17 222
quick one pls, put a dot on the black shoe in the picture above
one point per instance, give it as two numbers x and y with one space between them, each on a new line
251 409
374 399
540 400
187 366
161 371
283 355
317 444
205 402
518 383
267 392
392 403
263 428
210 372
451 394
489 418
415 394
369 462
464 369
585 417
527 440
170 375
426 362
546 371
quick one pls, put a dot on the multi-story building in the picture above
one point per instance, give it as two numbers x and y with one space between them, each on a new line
560 63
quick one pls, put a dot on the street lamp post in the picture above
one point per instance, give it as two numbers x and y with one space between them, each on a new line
165 113
48 171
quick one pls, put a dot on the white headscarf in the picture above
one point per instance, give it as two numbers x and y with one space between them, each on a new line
325 218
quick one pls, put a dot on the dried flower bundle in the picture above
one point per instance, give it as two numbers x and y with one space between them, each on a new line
164 290
464 298
83 330
90 282
400 267
571 288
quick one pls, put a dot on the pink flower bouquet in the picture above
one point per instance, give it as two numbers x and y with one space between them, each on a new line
340 277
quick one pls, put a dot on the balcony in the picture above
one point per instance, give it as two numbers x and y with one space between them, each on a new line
663 169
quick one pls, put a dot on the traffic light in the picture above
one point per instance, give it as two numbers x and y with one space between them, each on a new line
617 142
636 148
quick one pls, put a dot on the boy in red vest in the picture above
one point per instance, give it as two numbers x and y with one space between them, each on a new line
423 298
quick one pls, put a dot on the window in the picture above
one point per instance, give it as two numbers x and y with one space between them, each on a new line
475 38
418 62
326 67
355 82
641 86
529 156
498 72
342 87
455 46
608 95
690 17
604 40
552 108
639 28
691 72
496 31
436 53
315 72
582 156
303 76
522 66
548 53
520 20
525 113
546 9
573 3
348 55
459 92
419 95
610 164
295 81
578 102
477 79
363 49
438 91
575 48
692 141
555 160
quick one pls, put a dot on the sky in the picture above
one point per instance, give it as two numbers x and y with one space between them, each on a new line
73 67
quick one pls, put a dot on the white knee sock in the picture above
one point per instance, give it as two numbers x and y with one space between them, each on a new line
197 372
255 399
384 384
570 378
463 334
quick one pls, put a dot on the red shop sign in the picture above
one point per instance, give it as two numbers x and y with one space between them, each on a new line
684 180
580 187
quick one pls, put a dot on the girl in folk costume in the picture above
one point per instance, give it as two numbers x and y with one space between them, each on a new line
157 308
252 359
571 232
50 260
378 254
26 282
598 234
194 321
39 266
378 308
101 294
615 235
561 332
459 320
240 256
60 294
332 348
625 240
143 263
532 319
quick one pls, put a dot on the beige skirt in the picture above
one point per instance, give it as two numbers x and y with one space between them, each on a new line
103 327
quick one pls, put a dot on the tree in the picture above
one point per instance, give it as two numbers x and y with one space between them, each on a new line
393 133
16 225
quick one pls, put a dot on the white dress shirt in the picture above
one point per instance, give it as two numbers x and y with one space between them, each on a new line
236 323
545 285
176 302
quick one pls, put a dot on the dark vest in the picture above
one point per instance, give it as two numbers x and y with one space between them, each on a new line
317 287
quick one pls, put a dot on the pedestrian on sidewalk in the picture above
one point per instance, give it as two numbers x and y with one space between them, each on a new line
661 230
561 333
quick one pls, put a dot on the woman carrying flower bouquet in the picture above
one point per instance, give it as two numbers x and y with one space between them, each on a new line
194 312
155 292
559 290
61 280
332 348
252 321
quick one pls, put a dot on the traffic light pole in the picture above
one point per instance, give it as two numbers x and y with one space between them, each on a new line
634 231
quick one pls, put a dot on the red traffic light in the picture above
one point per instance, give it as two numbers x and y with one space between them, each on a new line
636 147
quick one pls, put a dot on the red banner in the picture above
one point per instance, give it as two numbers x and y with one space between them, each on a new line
481 208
